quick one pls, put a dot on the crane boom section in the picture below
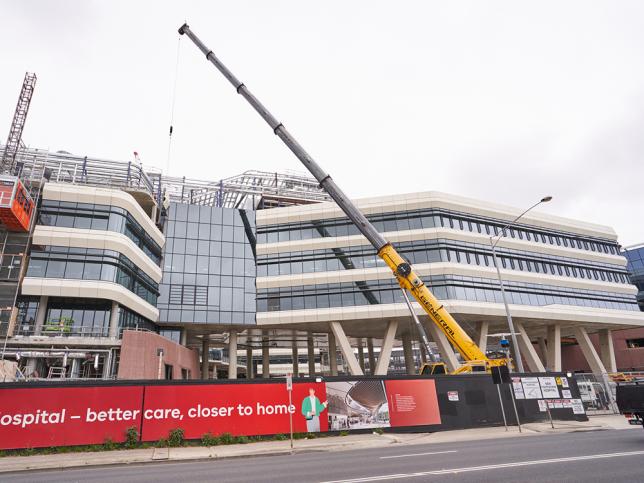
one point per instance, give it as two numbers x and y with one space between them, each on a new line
405 275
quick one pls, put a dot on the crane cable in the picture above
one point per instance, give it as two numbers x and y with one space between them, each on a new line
174 98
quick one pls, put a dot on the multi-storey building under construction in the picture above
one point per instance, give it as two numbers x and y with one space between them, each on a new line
126 273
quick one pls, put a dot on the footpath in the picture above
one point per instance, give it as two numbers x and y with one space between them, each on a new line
268 448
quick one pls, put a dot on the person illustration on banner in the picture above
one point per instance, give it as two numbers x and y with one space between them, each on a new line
311 409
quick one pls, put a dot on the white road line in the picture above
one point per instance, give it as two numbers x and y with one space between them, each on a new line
417 454
487 467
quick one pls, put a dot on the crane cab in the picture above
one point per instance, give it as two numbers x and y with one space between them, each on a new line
16 205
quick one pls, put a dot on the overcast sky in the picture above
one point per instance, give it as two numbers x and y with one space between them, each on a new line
503 101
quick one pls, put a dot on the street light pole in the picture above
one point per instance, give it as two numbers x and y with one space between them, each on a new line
515 345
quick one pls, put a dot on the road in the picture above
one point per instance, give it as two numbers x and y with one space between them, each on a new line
614 455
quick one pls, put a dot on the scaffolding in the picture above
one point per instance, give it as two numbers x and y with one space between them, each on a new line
250 190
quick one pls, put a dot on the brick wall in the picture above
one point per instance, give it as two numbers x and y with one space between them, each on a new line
140 359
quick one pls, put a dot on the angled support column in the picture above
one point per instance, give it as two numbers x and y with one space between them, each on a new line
607 350
586 345
333 355
543 351
408 351
372 356
361 354
553 351
482 329
232 354
385 350
347 350
528 351
444 347
310 348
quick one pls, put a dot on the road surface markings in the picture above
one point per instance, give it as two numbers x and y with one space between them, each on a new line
487 467
416 454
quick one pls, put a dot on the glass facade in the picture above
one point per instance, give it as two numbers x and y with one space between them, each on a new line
431 218
438 250
446 250
91 264
26 316
445 287
635 257
77 317
98 217
132 320
208 266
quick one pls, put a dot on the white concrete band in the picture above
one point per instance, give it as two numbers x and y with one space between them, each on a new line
94 289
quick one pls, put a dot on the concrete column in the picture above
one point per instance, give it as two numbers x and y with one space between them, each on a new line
266 357
543 350
607 350
184 337
295 356
444 347
310 349
586 346
347 350
361 354
205 365
371 355
249 355
408 351
553 356
528 352
333 355
40 314
385 349
481 334
114 320
232 354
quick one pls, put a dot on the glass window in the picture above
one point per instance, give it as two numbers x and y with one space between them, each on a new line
37 267
204 232
191 247
74 270
55 269
190 263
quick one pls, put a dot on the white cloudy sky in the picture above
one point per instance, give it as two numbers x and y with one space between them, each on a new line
501 100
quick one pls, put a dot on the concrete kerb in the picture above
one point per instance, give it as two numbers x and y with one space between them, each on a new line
272 448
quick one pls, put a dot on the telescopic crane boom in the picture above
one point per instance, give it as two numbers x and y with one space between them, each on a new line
401 269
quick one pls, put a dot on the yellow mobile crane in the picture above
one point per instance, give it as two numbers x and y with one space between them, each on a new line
475 359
